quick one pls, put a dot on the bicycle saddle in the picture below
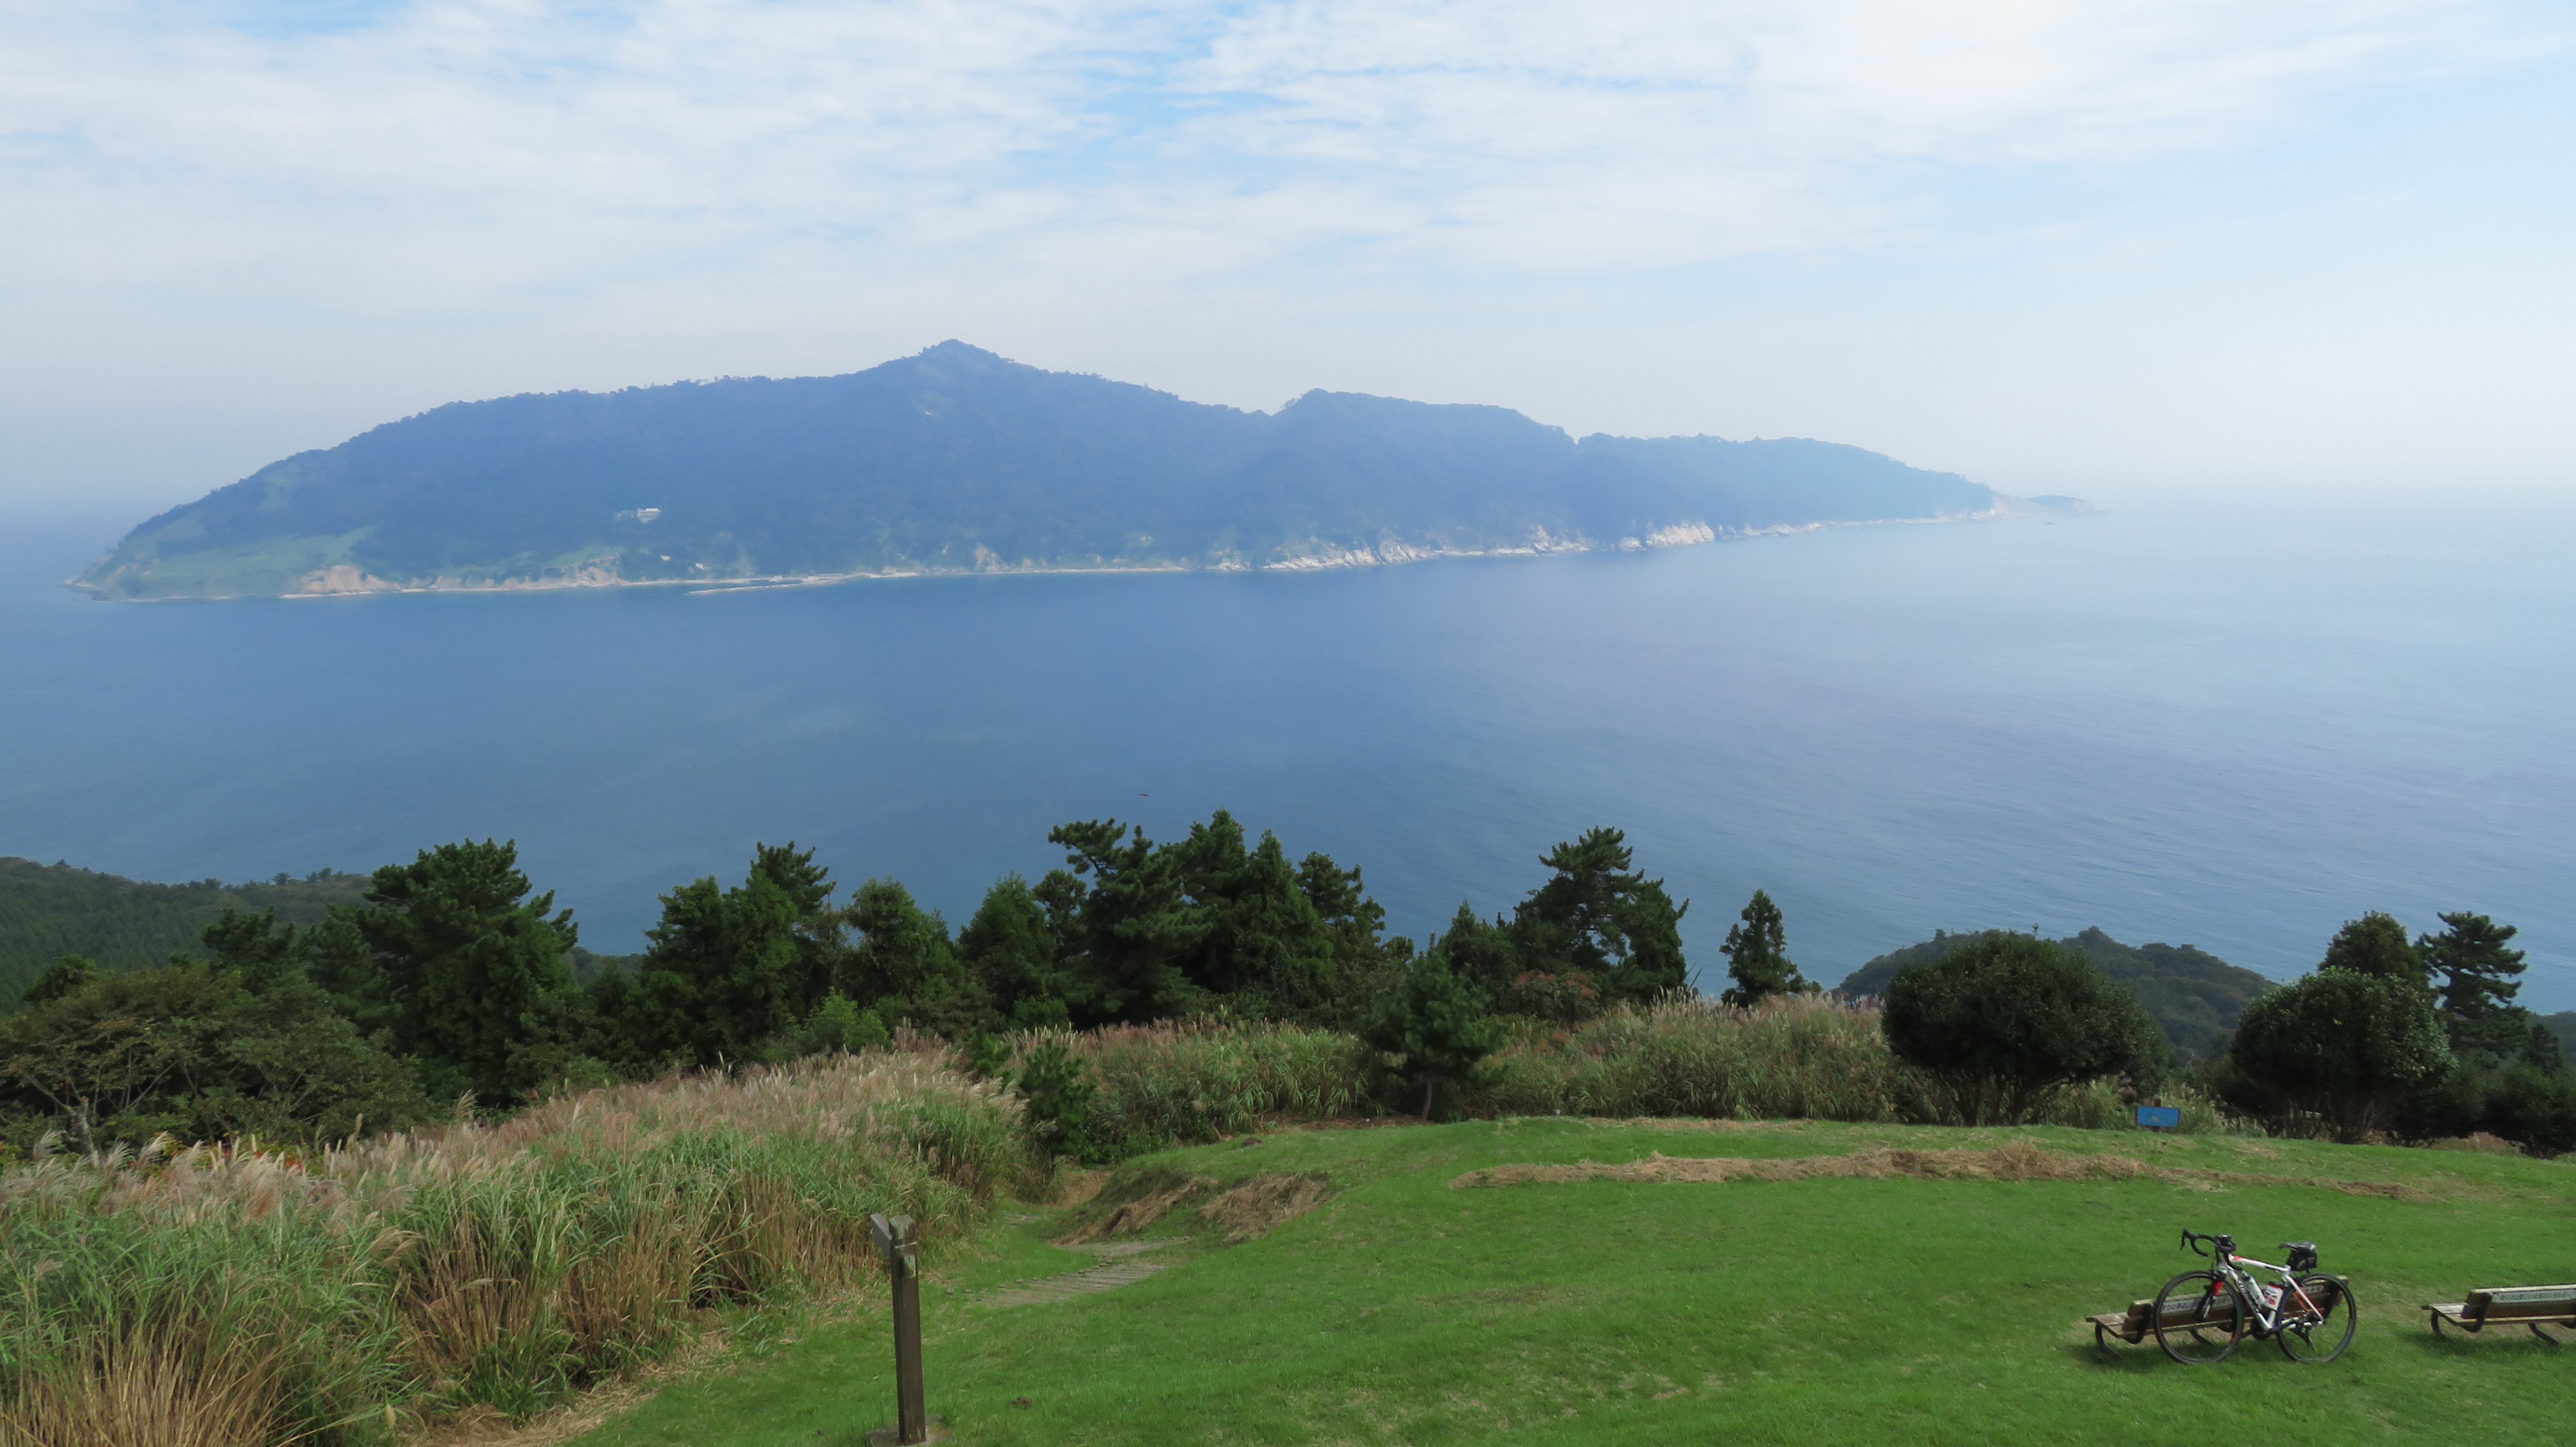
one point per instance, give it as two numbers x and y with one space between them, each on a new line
2303 1255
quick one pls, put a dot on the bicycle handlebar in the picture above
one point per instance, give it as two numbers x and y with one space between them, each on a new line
2226 1244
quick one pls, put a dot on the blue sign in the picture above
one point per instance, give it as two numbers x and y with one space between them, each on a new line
2160 1117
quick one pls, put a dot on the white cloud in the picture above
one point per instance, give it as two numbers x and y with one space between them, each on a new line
461 150
1886 222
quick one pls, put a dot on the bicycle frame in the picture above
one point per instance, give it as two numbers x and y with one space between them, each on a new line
2267 1318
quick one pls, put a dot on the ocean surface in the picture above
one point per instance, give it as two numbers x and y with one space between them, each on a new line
2195 723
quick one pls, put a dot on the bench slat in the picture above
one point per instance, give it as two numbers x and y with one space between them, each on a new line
2559 1310
2495 1296
2529 1306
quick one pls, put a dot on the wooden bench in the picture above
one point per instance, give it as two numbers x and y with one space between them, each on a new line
2531 1306
2133 1325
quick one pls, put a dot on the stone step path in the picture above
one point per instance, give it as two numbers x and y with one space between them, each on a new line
1118 1267
1115 1250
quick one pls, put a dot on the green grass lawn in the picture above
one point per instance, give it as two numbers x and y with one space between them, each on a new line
1403 1310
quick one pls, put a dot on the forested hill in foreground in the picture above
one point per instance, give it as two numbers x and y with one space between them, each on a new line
51 910
957 460
2196 996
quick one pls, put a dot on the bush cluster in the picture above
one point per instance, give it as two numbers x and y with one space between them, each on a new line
2005 1021
2405 1039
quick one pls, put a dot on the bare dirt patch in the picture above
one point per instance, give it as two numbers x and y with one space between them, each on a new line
1138 1212
1262 1203
2481 1144
2021 1160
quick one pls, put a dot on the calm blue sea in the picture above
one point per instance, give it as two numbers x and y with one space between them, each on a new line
2221 726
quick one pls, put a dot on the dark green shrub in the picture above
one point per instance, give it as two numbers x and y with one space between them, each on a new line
2341 1049
1435 1025
65 976
1060 1090
2530 1105
188 1050
2001 1022
839 1025
2534 1108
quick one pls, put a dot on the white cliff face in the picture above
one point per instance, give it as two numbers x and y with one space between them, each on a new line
341 578
1315 554
1310 555
1326 555
1681 535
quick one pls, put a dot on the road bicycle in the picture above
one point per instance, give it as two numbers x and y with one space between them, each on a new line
2202 1315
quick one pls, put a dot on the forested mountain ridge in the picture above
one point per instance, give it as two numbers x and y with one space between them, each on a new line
2563 1025
51 910
2194 995
957 460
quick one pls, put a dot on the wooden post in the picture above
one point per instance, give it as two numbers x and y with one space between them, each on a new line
903 1266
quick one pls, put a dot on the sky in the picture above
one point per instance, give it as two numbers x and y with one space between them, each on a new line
2104 248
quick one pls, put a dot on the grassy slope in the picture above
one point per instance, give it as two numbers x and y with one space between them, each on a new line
1807 1311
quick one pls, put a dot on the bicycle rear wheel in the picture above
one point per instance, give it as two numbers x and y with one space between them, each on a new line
2322 1335
2198 1319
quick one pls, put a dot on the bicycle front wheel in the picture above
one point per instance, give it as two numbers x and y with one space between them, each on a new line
2322 1334
2198 1319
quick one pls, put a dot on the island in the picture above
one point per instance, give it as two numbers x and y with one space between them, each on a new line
956 460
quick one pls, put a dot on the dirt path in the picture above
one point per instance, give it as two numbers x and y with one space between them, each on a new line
1118 1267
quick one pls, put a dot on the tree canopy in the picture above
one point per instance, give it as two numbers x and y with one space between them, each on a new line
51 910
2477 974
464 955
1148 931
1434 1024
2006 1018
200 1049
2375 945
2194 995
2345 1045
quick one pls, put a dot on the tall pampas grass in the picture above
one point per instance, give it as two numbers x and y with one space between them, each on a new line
1791 1057
1176 1082
231 1294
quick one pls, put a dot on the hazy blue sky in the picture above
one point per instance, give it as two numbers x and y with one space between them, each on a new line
2091 247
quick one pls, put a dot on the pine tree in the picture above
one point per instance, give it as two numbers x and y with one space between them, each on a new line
1436 1023
2476 968
1009 947
466 955
1601 917
1757 953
